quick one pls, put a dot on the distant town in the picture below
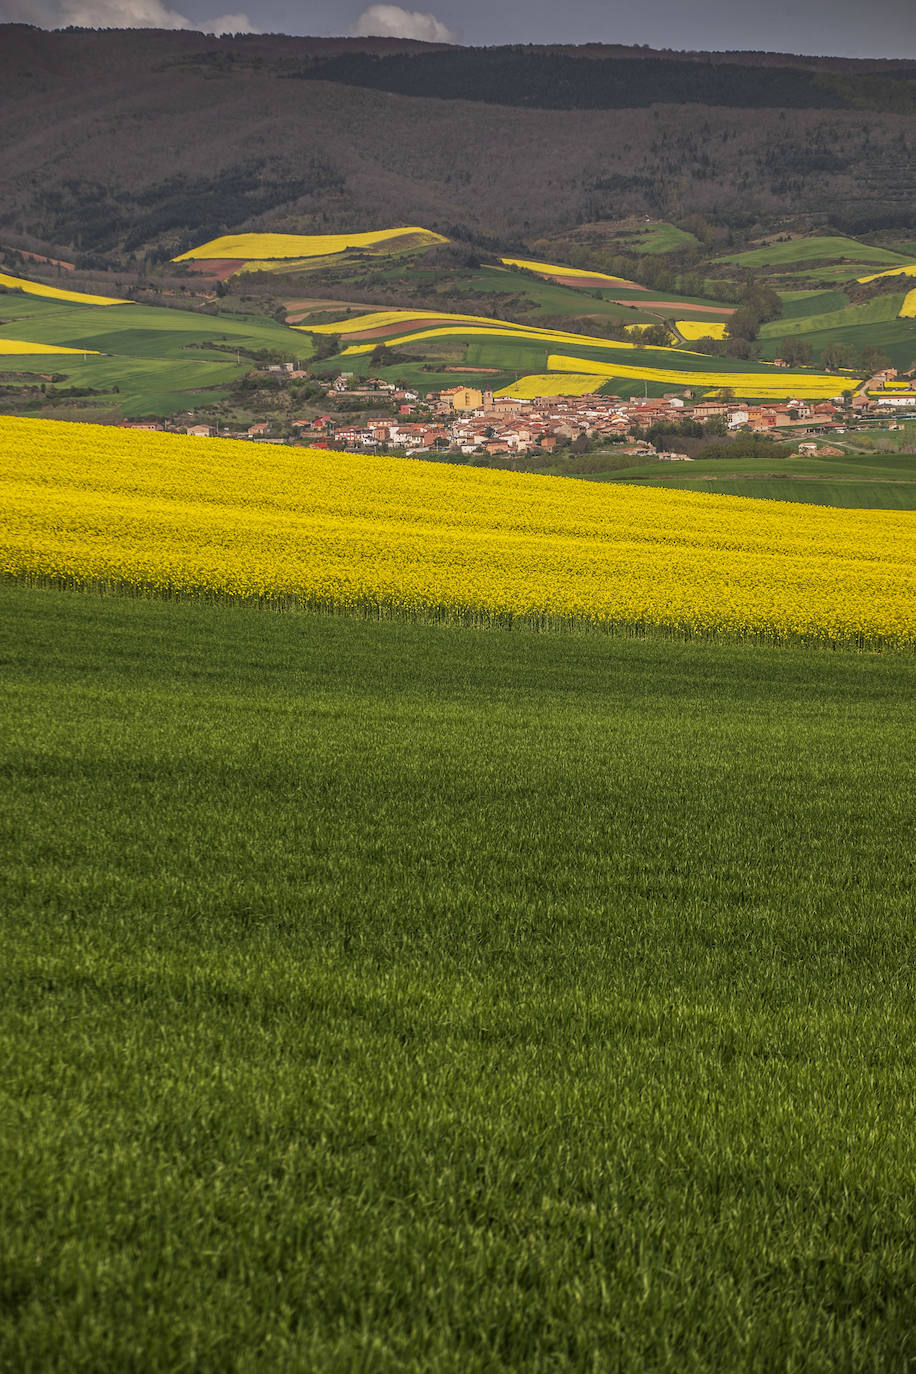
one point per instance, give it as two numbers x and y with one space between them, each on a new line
472 422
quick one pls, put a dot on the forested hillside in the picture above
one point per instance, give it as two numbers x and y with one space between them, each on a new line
272 132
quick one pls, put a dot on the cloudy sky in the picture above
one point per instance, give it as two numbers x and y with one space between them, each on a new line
883 28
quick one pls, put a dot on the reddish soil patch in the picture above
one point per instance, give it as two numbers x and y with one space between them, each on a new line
590 283
55 262
687 309
495 370
217 269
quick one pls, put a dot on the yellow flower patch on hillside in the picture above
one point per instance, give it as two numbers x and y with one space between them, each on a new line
272 246
551 269
57 293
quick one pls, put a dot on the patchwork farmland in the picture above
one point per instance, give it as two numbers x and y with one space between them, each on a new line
625 690
457 575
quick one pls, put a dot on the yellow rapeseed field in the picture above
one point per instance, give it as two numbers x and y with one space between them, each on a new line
163 515
908 309
775 385
57 293
550 269
553 384
905 269
23 346
701 329
270 246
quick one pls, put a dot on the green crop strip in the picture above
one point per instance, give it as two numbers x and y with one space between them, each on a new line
382 997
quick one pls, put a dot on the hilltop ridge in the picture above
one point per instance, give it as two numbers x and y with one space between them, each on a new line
499 149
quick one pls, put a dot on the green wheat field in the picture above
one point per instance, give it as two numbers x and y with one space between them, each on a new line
380 997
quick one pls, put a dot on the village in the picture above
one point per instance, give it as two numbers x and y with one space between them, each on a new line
475 422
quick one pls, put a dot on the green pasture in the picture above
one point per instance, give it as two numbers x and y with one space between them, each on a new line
146 386
852 467
395 998
817 248
885 481
838 274
888 443
513 355
896 338
417 376
879 310
796 304
144 330
16 306
874 324
161 360
809 491
659 237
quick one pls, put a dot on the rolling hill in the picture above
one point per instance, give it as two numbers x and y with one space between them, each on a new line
192 152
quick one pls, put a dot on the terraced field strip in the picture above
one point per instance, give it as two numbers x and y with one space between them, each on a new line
774 385
817 248
651 364
57 293
572 276
405 327
274 246
405 324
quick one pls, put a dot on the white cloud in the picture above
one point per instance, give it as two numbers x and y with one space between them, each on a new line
117 14
120 14
391 21
228 23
